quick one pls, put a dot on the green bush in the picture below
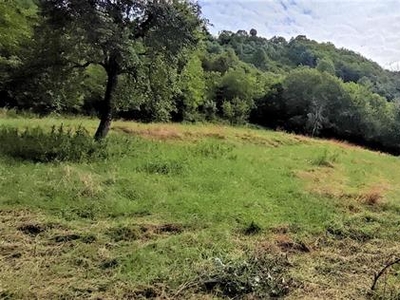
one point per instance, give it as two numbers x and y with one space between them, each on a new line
59 144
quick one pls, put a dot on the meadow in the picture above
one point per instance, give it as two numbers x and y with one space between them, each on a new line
198 212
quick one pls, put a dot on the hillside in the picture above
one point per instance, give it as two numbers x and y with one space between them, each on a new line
199 212
278 55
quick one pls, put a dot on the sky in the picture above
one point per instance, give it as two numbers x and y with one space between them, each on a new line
369 27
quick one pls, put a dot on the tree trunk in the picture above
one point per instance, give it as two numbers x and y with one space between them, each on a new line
107 107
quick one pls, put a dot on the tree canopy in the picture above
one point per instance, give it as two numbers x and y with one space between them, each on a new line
117 34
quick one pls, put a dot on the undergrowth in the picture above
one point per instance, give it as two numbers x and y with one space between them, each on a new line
57 145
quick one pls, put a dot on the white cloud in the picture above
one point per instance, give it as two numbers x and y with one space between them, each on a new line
370 27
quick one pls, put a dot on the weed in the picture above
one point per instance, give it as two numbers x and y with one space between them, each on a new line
325 159
211 149
59 144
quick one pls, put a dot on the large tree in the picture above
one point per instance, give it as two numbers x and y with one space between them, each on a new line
116 34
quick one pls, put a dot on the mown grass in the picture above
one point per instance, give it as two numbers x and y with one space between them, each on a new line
186 207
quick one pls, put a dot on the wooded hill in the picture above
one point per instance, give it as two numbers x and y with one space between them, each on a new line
50 63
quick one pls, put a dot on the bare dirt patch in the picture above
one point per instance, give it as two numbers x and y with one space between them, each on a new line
288 245
32 229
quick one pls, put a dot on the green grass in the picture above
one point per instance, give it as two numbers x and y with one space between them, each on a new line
153 221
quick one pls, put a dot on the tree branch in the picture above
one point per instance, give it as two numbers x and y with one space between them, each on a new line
381 272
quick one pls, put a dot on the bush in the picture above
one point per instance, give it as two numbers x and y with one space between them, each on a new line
236 111
60 144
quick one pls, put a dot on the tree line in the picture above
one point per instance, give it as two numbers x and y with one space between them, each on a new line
155 60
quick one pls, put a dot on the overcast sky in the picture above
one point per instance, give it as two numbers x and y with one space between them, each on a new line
370 27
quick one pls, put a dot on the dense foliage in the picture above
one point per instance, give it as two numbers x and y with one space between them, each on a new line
141 55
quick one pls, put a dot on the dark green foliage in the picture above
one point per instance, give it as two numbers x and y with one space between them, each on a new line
126 38
60 144
236 111
153 61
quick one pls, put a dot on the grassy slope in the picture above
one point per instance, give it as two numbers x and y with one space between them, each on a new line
150 222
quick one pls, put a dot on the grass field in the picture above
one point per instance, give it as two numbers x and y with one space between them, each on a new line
200 212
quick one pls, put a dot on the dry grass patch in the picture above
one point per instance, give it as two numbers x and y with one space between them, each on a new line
86 183
42 259
327 268
374 195
340 269
165 132
177 132
47 260
326 182
334 184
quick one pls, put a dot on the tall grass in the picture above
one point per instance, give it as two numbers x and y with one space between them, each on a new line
57 145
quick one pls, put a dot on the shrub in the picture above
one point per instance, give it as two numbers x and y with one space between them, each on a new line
60 144
236 111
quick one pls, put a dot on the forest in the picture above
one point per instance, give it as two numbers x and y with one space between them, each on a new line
156 61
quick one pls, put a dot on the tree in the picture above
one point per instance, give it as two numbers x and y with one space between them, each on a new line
260 59
16 19
16 22
314 101
326 65
116 34
192 88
